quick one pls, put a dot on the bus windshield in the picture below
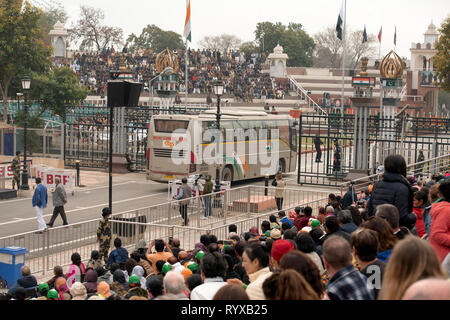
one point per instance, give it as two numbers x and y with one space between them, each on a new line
169 126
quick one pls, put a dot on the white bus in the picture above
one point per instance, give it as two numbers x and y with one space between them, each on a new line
252 144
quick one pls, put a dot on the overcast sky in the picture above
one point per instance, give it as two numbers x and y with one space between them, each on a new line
239 17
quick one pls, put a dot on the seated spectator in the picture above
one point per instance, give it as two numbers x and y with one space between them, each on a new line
135 288
119 284
356 215
103 290
175 247
273 222
159 254
90 281
57 272
27 281
345 221
332 228
302 221
288 285
440 222
231 292
174 286
321 215
42 292
428 289
138 271
95 261
289 234
350 198
283 218
78 291
52 295
118 255
346 283
279 249
301 263
212 268
305 244
389 212
193 281
255 260
413 259
239 248
63 289
364 244
155 287
385 234
141 261
265 229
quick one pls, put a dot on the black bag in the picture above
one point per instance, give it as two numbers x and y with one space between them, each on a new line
274 183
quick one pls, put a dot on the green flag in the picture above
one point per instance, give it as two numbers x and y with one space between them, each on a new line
339 22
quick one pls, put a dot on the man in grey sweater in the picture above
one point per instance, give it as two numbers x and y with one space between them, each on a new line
59 200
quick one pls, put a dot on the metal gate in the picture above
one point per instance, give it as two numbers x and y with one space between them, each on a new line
404 135
86 133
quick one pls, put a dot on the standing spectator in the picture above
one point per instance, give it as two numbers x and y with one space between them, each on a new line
39 202
346 283
350 198
419 167
207 189
413 259
159 254
317 145
104 234
395 189
15 168
440 222
174 286
386 238
434 196
279 185
364 244
118 255
76 270
336 156
332 228
212 269
184 194
283 218
155 287
59 200
428 289
288 285
419 202
278 250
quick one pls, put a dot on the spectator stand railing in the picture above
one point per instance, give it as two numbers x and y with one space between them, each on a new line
305 96
420 170
55 246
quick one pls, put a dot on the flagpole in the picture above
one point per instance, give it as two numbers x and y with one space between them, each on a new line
186 76
343 61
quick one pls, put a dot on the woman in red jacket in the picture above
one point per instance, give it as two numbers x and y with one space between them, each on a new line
440 222
419 202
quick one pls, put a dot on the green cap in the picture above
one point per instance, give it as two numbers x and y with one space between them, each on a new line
52 295
315 223
43 287
134 281
192 266
166 268
199 255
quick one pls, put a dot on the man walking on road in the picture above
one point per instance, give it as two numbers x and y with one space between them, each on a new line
59 200
39 202
185 192
104 234
207 189
15 168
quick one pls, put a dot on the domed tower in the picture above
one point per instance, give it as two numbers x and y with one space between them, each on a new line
277 61
58 37
167 67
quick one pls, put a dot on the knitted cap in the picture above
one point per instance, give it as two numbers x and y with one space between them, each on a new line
52 295
43 287
280 248
199 255
134 281
315 223
166 268
275 234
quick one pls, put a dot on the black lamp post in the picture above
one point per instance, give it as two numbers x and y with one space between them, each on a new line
26 83
218 90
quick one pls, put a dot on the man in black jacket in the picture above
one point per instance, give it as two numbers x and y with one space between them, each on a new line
27 281
317 143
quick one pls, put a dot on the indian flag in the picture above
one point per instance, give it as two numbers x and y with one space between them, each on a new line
187 24
340 21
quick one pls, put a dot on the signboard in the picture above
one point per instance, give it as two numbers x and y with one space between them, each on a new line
391 82
48 176
363 81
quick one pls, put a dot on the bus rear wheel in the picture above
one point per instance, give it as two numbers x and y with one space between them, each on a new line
227 174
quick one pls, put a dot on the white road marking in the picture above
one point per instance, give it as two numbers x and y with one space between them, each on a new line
86 208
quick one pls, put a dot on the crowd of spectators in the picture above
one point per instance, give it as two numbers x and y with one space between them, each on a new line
241 73
363 249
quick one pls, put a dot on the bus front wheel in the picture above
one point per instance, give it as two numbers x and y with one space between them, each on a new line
227 174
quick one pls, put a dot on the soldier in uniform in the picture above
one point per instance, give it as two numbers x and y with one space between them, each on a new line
15 168
104 234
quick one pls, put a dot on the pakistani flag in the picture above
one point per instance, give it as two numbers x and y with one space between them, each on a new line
339 22
187 24
364 35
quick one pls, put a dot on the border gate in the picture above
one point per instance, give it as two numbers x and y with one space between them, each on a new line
403 135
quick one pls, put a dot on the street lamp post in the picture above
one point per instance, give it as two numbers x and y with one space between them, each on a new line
218 90
26 83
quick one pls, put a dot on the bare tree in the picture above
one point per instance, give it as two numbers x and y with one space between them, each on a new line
328 53
90 32
223 42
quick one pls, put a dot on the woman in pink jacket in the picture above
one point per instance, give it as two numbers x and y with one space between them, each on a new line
440 222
